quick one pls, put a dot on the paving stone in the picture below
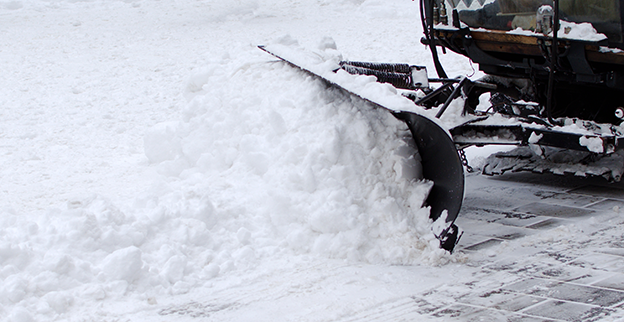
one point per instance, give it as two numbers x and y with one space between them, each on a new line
608 204
612 192
494 230
559 282
601 261
587 279
485 214
501 300
544 209
619 251
552 266
507 232
531 285
558 256
523 318
509 189
508 218
568 292
514 268
496 316
485 244
520 220
511 235
583 276
568 311
546 224
487 202
587 294
568 199
424 306
615 281
560 272
457 311
469 239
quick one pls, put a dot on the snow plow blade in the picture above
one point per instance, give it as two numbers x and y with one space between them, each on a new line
440 163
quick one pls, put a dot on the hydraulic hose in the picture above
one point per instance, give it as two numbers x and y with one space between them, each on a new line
554 62
427 20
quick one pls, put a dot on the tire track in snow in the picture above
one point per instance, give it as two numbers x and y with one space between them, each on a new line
265 287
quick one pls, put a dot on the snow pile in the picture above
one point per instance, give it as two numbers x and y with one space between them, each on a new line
263 164
323 173
266 162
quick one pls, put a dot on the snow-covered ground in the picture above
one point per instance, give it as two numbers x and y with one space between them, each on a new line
155 165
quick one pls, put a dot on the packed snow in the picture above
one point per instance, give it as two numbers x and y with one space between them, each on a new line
150 148
152 155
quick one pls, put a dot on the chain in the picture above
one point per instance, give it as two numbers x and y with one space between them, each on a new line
464 161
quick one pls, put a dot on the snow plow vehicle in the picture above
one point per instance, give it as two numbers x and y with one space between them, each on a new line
554 76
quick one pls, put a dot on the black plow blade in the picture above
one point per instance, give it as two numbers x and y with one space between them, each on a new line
442 165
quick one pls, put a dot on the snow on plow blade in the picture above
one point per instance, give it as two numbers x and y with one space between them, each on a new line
441 163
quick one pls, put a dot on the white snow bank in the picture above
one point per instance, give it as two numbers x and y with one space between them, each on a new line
265 162
322 173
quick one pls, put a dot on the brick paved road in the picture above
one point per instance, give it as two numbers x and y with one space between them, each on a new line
569 264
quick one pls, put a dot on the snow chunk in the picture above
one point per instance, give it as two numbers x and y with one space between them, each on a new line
161 142
580 31
123 264
604 49
12 5
244 236
568 30
534 138
20 314
593 144
173 271
517 31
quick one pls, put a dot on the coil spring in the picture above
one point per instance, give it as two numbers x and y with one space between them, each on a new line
385 67
398 80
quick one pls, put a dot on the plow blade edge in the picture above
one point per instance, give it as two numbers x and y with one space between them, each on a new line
440 163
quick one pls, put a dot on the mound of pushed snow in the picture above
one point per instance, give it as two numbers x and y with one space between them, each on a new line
296 164
265 162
